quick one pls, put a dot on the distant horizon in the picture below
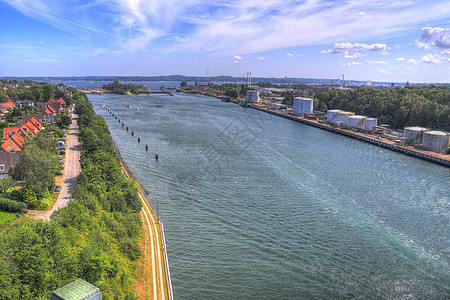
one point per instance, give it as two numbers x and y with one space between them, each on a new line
214 77
381 41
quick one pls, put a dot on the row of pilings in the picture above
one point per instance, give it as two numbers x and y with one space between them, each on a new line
127 129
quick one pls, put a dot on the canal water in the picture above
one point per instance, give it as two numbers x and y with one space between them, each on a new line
259 207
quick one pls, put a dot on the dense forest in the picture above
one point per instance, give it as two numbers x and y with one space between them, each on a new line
123 89
95 237
420 106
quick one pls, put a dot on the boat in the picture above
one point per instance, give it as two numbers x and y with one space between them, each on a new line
137 108
159 105
129 106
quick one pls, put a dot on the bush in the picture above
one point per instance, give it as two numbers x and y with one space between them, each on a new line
12 206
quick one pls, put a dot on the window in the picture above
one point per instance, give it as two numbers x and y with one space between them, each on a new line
17 156
2 167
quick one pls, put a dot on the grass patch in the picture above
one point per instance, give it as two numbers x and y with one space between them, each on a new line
6 216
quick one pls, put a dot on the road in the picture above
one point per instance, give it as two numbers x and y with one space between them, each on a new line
71 170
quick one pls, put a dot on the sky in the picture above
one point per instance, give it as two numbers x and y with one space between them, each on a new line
381 40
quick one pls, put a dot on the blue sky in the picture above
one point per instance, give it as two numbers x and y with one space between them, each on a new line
365 40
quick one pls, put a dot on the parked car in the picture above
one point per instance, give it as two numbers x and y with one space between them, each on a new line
62 152
58 188
61 161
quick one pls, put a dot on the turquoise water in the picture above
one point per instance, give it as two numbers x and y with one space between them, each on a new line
259 207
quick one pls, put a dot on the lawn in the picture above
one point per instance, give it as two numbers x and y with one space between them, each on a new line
6 216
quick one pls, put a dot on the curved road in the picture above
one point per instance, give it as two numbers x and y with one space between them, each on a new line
71 170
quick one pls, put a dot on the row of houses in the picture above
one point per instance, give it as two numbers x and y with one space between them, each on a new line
13 139
49 108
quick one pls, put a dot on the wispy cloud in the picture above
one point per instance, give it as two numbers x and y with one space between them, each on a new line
223 27
400 59
412 61
376 62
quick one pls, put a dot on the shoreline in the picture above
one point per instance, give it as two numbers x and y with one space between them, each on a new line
433 157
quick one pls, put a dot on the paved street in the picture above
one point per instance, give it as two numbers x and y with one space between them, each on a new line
71 170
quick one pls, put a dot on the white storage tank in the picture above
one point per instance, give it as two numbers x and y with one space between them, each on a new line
252 97
344 117
413 135
436 141
356 121
369 123
302 106
332 115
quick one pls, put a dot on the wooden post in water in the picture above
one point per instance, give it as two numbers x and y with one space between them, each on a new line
132 133
146 147
139 139
127 128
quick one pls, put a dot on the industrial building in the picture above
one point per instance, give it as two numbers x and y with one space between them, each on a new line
252 97
332 115
356 121
413 135
436 141
302 106
369 123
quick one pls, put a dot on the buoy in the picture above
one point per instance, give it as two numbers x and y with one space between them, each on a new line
156 155
146 146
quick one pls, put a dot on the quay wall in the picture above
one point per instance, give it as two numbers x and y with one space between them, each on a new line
372 141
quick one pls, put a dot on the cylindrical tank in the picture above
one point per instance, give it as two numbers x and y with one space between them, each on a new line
252 97
344 117
436 141
332 114
413 135
369 123
303 106
356 121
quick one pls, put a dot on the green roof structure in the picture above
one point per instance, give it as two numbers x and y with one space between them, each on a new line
77 290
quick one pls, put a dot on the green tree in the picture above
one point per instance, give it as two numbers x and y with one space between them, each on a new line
36 168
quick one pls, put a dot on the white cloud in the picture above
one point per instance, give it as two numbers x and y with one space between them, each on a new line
445 52
434 59
361 13
412 61
290 54
436 36
356 47
353 63
237 57
422 45
400 59
382 71
261 58
376 62
354 55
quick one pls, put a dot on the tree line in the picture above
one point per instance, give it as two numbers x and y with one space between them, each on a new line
421 106
123 89
96 237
